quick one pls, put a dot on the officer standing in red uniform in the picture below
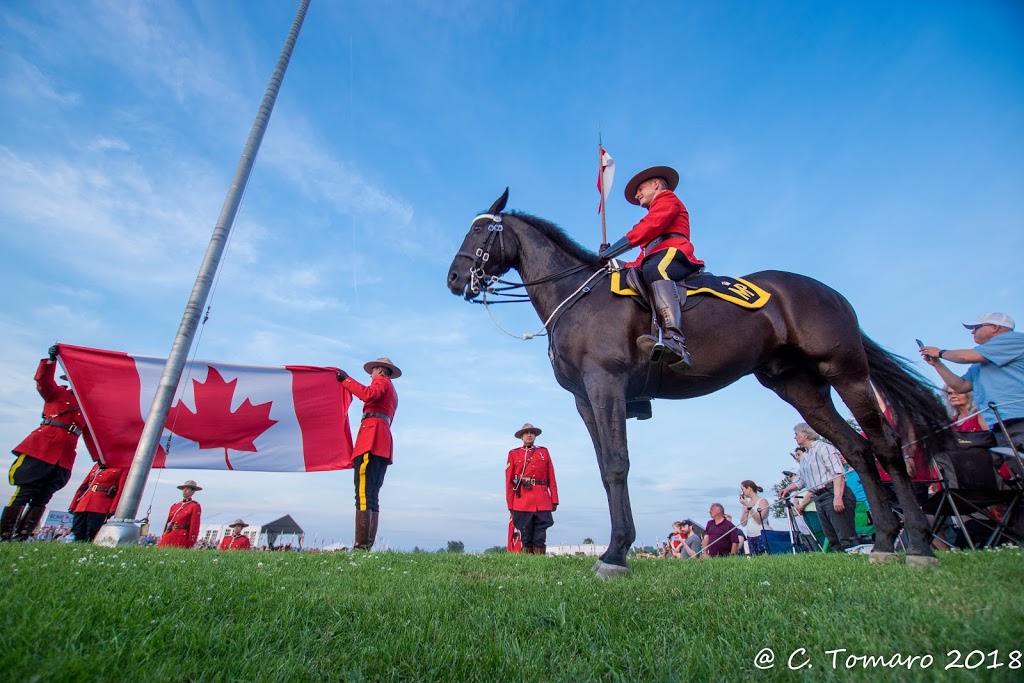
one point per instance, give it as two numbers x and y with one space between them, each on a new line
43 461
182 527
531 490
374 448
666 256
95 500
236 541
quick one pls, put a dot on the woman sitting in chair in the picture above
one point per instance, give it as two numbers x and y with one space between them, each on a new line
964 412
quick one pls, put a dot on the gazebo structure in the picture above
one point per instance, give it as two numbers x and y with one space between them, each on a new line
276 532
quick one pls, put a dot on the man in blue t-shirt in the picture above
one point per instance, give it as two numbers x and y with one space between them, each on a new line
996 374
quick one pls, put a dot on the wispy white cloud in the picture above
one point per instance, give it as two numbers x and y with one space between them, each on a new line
26 84
107 144
298 155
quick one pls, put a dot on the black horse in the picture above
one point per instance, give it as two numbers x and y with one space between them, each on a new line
805 341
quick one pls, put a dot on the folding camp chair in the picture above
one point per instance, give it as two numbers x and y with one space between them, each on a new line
970 487
778 542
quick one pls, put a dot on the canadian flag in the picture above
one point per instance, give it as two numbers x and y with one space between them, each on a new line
605 176
224 416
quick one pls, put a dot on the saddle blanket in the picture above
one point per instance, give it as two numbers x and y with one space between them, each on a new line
736 290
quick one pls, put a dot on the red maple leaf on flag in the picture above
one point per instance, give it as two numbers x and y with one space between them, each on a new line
214 425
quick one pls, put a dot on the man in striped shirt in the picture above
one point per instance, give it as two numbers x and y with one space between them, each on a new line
821 472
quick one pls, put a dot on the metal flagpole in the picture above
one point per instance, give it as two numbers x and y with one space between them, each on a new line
121 529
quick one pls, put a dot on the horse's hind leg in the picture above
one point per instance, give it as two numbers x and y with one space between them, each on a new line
810 395
607 427
860 399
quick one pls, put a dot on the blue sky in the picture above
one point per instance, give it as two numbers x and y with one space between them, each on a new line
877 147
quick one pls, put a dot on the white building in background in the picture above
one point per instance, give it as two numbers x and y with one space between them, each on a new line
276 533
590 550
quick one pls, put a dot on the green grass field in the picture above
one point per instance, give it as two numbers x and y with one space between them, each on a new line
81 613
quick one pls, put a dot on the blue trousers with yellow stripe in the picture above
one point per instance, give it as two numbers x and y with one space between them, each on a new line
369 471
670 264
35 481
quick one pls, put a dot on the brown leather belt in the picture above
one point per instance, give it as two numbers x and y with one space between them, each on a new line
74 429
175 527
103 489
667 236
383 416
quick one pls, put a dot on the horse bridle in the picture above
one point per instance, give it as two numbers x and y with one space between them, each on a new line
478 279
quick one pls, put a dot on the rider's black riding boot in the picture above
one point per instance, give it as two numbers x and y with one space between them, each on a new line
671 347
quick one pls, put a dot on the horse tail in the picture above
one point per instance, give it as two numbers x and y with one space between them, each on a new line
917 413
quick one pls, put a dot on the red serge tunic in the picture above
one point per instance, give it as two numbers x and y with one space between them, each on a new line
182 528
665 215
534 463
234 543
374 432
100 491
53 443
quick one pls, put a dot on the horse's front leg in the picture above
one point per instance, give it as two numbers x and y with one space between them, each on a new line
605 417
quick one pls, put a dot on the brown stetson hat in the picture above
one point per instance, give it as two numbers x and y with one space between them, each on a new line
238 522
191 483
669 174
528 428
383 362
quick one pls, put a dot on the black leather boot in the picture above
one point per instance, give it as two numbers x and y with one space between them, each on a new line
362 530
671 347
371 536
9 521
28 523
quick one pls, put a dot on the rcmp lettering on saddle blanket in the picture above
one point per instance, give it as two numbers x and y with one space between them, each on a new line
531 490
43 460
95 500
183 520
235 540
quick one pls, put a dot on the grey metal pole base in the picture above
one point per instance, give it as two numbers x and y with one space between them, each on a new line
114 534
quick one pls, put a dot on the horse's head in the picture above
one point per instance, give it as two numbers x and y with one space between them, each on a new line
487 252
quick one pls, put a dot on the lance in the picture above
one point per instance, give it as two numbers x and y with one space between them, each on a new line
604 190
121 529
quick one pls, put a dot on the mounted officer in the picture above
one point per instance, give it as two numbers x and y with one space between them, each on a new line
666 257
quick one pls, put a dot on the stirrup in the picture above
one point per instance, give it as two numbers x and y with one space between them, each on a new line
659 348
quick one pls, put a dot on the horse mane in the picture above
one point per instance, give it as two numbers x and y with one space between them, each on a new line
559 237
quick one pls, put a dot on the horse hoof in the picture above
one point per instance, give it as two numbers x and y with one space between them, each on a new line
879 557
612 571
922 561
597 565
